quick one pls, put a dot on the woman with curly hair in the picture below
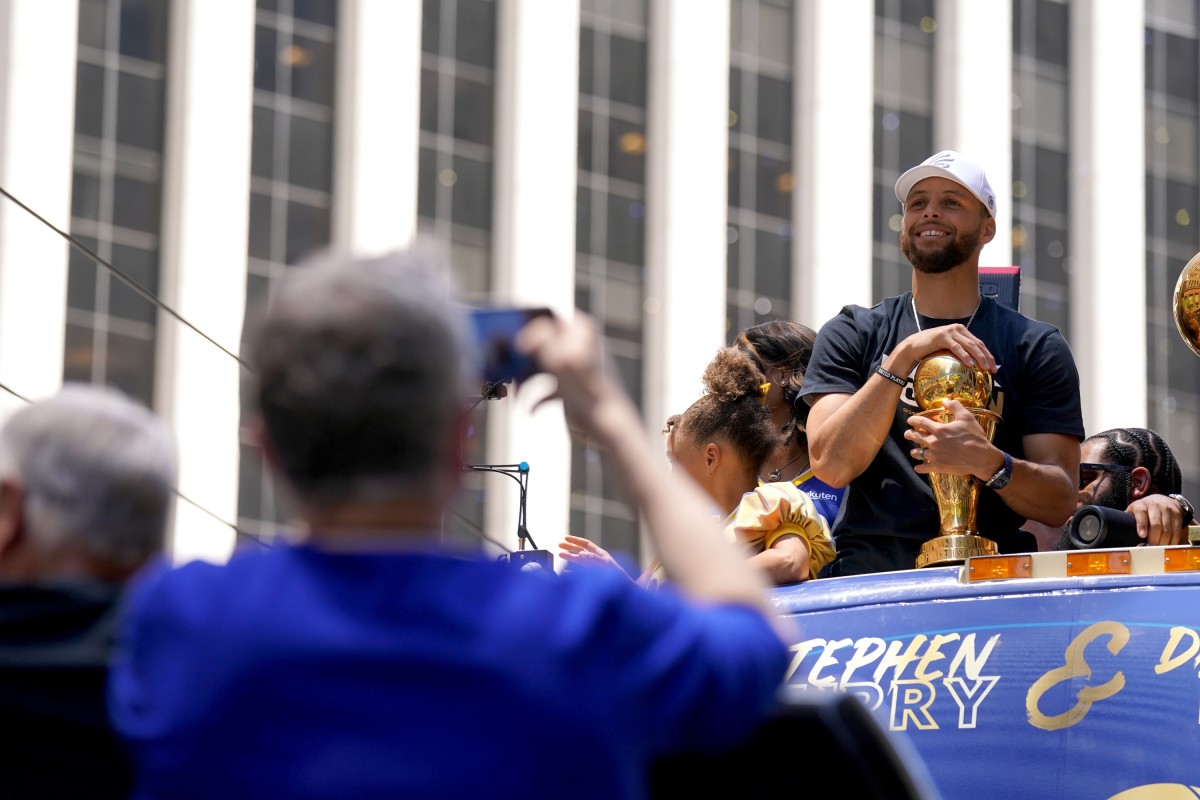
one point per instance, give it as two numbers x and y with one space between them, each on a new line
781 349
722 441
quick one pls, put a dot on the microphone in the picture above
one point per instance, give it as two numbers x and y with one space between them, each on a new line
1093 527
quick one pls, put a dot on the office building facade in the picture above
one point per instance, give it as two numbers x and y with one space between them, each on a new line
680 169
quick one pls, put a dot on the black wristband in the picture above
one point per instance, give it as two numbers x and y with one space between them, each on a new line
891 376
1189 514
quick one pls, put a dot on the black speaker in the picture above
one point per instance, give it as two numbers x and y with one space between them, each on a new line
1094 527
829 738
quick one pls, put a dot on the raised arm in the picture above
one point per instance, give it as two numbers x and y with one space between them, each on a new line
698 559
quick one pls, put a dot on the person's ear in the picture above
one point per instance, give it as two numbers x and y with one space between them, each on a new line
1139 483
989 230
12 517
712 457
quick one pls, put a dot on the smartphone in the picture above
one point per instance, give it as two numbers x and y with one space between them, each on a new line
494 330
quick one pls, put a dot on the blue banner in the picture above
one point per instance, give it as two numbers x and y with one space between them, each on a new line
1033 688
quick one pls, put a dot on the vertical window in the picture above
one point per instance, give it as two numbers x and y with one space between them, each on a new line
904 31
610 234
761 177
454 186
1040 237
291 187
117 194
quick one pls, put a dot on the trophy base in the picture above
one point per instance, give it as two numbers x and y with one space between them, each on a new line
954 548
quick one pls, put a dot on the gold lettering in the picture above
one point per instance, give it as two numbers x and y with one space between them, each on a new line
899 660
972 662
866 651
1075 666
934 653
800 651
827 658
1168 661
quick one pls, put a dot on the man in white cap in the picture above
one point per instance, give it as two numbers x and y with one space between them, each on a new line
863 428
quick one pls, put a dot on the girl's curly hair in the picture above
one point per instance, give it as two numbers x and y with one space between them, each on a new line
732 409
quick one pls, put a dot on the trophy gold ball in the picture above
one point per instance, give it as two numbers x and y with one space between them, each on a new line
940 377
1187 304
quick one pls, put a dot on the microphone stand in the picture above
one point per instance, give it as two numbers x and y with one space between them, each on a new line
520 474
528 560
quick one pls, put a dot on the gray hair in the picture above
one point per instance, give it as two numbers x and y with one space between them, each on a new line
361 368
98 472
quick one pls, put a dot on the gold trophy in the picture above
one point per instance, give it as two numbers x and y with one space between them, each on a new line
1187 304
941 377
1187 322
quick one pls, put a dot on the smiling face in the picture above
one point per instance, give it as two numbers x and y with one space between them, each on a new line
944 226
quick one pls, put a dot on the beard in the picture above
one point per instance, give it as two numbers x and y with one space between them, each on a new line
1116 493
954 251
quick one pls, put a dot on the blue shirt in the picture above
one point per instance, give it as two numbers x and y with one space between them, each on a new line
826 498
300 673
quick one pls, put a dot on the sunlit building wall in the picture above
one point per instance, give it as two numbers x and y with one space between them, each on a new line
678 168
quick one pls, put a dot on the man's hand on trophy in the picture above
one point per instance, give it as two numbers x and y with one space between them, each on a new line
955 339
957 446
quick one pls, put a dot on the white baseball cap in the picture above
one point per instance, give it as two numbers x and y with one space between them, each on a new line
951 165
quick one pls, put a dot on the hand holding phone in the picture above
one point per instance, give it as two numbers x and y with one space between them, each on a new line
494 330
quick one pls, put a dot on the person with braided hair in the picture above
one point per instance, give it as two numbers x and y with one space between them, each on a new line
1132 470
722 441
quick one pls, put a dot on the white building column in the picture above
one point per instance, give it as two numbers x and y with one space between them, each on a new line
835 98
206 190
537 101
1108 180
378 105
687 199
973 108
37 133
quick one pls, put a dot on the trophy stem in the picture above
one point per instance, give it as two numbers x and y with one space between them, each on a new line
958 499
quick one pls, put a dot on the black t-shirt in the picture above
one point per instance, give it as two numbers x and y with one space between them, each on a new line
889 510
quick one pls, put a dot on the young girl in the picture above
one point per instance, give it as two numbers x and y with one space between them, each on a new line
722 441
